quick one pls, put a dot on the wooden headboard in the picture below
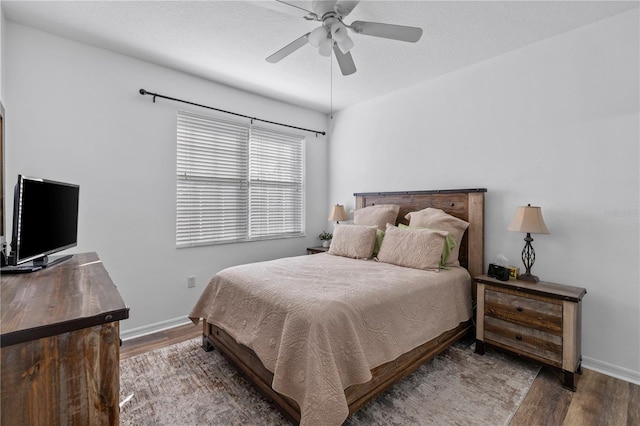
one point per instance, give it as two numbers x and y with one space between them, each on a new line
466 204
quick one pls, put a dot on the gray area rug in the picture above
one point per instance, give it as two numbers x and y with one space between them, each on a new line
183 385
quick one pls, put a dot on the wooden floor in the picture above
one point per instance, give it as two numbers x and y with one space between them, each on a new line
599 400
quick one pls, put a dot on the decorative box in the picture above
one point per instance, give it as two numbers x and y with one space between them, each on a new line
515 271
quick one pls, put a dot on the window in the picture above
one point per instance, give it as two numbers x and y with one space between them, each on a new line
236 182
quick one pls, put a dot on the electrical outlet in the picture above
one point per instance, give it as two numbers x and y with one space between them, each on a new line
191 282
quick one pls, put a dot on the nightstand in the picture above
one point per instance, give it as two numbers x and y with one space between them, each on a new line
540 321
316 250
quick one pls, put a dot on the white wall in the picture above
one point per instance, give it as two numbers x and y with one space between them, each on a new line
2 49
76 116
4 230
554 124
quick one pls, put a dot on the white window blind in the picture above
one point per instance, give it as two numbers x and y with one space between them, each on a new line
236 182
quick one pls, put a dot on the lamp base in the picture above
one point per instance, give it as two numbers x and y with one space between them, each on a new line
528 277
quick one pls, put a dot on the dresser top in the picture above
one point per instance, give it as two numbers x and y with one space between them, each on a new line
543 288
68 296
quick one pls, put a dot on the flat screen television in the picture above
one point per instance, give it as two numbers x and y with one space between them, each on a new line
45 219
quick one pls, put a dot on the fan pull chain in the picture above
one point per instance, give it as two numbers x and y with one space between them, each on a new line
331 76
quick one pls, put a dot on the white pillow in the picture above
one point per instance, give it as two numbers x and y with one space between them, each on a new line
438 219
378 215
413 248
353 241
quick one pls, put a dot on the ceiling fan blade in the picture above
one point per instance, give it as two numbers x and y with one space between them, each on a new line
394 32
345 61
285 7
288 49
343 8
288 3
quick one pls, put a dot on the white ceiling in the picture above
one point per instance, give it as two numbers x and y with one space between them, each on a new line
228 41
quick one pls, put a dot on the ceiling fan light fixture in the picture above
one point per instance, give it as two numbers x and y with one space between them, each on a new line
338 32
332 36
317 36
346 44
325 47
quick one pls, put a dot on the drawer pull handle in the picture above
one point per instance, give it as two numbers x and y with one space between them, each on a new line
518 337
519 309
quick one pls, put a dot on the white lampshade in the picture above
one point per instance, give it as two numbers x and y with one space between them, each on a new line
317 36
528 219
325 47
346 44
337 213
338 31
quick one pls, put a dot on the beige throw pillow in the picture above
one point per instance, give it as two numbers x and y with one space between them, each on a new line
378 215
438 219
353 241
412 248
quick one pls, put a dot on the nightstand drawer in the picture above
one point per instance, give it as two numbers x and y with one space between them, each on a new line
524 339
527 311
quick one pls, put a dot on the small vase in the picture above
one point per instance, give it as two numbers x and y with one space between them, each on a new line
326 243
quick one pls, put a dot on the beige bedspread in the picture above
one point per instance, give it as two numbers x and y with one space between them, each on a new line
320 323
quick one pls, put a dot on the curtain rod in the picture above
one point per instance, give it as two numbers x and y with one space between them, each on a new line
156 95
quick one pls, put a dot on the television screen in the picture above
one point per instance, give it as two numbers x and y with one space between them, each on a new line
45 218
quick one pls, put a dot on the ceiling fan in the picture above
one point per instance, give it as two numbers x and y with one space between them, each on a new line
332 34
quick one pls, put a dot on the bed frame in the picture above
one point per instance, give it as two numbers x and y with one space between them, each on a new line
467 204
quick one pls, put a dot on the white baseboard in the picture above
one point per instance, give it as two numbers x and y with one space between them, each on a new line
611 370
153 328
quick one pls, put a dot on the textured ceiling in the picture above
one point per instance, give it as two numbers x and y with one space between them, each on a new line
228 41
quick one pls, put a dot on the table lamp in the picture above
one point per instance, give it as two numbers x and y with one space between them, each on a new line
528 219
337 214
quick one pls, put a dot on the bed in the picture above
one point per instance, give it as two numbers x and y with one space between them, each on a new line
320 348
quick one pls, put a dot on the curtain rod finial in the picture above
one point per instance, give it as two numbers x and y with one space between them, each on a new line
143 92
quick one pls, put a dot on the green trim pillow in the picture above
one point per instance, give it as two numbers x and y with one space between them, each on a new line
412 248
449 244
438 219
379 238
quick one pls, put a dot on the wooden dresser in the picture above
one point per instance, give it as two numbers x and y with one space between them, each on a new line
541 321
60 345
